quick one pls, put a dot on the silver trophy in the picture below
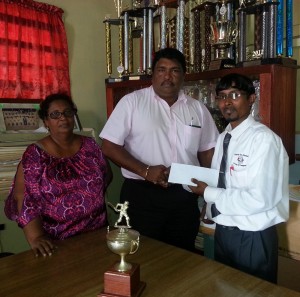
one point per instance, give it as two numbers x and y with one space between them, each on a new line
223 34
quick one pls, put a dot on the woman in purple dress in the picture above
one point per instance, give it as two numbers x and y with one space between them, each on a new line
58 190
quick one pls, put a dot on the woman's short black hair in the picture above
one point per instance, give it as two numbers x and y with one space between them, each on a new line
45 104
238 81
171 54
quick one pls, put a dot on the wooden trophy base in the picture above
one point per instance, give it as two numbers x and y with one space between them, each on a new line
264 61
123 284
221 64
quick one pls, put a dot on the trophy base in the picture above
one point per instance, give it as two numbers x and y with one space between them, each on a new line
128 77
138 77
113 79
221 64
265 61
123 284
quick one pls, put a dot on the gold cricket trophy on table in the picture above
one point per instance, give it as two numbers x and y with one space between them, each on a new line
123 278
223 35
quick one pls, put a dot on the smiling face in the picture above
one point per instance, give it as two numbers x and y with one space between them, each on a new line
167 79
235 110
65 121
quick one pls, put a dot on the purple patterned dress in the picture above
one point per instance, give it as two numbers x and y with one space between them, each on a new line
67 193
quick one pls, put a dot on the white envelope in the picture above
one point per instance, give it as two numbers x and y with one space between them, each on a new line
182 174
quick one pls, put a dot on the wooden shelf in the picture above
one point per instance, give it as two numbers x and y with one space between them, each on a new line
277 96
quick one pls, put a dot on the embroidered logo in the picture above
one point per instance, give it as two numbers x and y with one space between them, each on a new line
240 160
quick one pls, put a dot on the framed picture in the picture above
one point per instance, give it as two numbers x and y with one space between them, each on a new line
15 116
22 116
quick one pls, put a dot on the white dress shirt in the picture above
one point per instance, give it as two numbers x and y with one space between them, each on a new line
256 195
156 133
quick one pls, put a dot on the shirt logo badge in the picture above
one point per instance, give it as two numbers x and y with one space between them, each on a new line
240 160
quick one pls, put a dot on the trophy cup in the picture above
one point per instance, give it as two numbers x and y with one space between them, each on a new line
123 278
223 35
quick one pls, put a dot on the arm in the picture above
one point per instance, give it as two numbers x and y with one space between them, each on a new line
120 156
108 175
38 241
205 157
33 231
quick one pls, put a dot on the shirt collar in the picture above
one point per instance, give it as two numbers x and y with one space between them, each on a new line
181 95
241 128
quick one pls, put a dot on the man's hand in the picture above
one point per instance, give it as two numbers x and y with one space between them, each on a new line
158 175
200 188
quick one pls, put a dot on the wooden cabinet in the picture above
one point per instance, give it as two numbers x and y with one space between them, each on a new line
277 104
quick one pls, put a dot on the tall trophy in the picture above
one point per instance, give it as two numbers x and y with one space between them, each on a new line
223 35
119 22
123 278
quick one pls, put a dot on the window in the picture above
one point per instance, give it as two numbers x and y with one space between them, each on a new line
33 50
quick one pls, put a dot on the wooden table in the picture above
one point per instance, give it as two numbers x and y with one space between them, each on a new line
77 268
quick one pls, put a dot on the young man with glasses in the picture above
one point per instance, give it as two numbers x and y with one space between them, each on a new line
252 194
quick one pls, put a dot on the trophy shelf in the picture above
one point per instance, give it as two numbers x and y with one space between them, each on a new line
277 102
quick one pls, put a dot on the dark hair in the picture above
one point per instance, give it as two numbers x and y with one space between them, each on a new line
238 81
171 54
45 104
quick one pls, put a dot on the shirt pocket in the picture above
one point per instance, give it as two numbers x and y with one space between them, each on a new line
192 137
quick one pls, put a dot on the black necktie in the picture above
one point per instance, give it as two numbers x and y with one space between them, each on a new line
221 180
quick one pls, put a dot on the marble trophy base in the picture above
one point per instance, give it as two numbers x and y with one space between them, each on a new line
221 64
123 284
265 61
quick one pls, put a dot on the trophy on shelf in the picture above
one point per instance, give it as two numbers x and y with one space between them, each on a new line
268 33
223 34
123 278
119 22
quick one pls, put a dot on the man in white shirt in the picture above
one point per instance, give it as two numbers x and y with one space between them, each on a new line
147 131
255 195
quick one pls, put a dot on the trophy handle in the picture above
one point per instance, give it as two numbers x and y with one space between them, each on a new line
134 246
234 35
212 34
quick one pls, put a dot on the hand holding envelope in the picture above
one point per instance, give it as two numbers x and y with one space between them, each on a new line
182 174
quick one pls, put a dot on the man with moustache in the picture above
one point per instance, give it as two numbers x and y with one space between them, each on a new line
150 129
252 194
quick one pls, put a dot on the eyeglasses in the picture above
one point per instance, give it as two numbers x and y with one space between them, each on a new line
232 96
67 114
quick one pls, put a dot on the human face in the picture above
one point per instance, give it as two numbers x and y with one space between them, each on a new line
167 79
65 122
236 110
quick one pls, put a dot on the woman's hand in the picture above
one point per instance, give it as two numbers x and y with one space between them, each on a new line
39 242
42 245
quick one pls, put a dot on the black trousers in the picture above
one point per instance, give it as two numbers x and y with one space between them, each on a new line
166 214
255 253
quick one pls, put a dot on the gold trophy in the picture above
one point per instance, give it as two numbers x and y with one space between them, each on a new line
123 278
223 35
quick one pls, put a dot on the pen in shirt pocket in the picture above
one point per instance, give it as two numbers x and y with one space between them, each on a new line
192 124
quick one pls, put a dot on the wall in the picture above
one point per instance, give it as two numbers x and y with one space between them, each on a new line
86 39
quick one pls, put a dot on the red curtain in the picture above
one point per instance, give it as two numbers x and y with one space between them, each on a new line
33 50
